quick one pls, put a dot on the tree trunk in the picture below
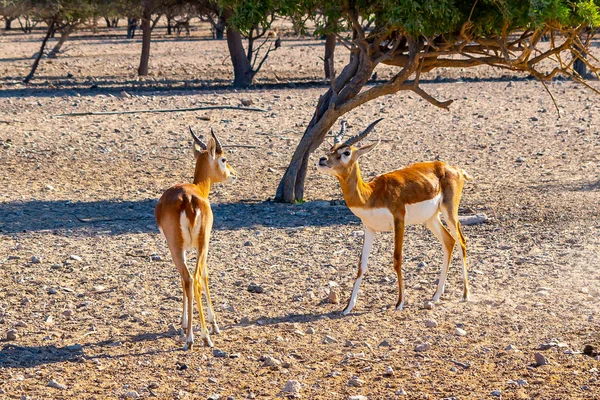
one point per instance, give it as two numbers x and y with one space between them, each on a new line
169 28
579 65
146 36
219 28
64 35
40 53
7 23
329 52
242 69
107 22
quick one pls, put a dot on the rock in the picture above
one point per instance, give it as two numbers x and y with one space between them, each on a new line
400 392
36 259
428 305
124 94
54 384
67 313
546 346
74 347
11 335
389 371
21 324
540 360
269 361
349 343
52 291
590 350
254 288
511 347
132 394
476 219
248 243
219 353
246 101
181 366
333 297
271 170
422 264
431 323
522 382
214 396
542 293
520 159
49 319
310 330
358 397
521 308
156 257
497 393
384 343
76 258
423 347
292 387
460 332
356 382
329 339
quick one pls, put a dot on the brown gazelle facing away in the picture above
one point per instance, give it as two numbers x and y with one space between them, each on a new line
412 195
185 218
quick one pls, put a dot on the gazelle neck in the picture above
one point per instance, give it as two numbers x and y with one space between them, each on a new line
356 192
202 178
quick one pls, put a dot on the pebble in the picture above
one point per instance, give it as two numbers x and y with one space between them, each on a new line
246 101
431 323
54 384
400 392
422 347
428 305
497 393
358 397
333 297
460 332
349 343
36 259
511 347
254 288
520 159
156 257
329 339
310 331
219 353
269 361
49 319
21 324
521 308
389 371
67 313
540 360
75 257
422 264
385 343
292 386
356 382
11 335
52 291
132 394
214 396
74 347
542 293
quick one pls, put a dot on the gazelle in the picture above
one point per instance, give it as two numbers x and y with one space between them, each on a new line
412 195
185 218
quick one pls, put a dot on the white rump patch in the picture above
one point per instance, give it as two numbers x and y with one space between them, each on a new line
418 213
190 233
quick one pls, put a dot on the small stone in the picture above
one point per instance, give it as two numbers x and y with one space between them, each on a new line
153 385
67 313
497 393
54 384
254 288
400 392
423 347
271 170
49 319
540 360
124 94
384 343
74 347
422 264
521 308
214 396
460 332
389 371
219 353
21 324
269 361
349 343
246 101
52 291
333 297
292 387
11 335
358 397
181 366
511 347
248 243
590 350
520 159
522 382
36 259
75 257
156 257
132 394
428 305
431 323
329 339
356 382
310 330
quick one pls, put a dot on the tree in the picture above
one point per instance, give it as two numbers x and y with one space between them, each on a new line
419 36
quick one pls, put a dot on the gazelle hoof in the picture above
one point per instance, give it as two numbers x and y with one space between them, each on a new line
188 345
215 328
400 307
208 342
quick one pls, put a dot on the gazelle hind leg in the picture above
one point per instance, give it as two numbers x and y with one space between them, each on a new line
456 232
211 314
440 232
203 329
184 315
178 256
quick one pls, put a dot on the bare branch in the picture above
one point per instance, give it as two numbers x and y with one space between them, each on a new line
429 98
79 114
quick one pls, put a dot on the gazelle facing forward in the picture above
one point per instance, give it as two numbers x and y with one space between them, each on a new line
412 195
185 218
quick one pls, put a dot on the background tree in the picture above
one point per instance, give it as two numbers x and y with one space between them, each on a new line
419 36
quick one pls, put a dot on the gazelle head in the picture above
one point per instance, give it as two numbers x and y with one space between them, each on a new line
210 160
343 155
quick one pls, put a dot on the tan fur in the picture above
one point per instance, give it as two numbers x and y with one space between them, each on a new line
192 199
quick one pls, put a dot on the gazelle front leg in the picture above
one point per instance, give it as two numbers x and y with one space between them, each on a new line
398 239
440 232
362 267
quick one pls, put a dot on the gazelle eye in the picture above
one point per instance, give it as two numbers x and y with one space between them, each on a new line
224 159
347 153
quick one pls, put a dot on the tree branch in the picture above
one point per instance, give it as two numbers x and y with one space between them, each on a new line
80 114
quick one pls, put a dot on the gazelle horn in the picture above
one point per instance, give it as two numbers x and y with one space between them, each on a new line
197 140
219 148
340 136
362 135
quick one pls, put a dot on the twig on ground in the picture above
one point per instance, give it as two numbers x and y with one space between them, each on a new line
80 114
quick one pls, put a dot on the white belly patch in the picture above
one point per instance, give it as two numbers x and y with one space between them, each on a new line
381 219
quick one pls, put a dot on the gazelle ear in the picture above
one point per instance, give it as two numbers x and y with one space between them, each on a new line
367 148
197 149
211 147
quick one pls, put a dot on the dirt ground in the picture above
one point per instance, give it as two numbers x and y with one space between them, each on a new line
88 287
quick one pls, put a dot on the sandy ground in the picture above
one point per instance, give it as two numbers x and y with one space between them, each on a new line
87 284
